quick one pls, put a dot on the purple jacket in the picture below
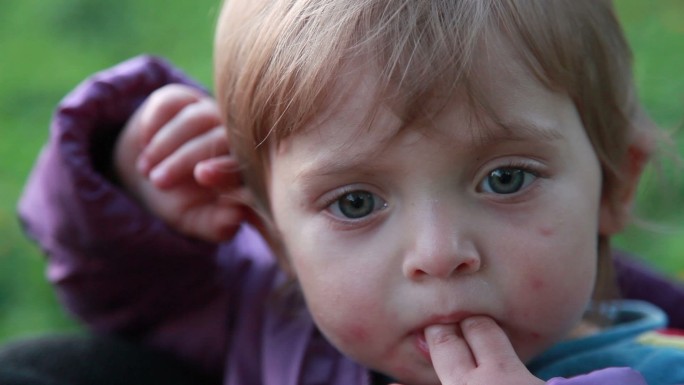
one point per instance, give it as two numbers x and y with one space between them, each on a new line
121 270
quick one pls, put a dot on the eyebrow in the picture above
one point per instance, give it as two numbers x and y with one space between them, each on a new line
341 162
336 164
339 165
516 131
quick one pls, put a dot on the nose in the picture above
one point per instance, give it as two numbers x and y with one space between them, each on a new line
441 248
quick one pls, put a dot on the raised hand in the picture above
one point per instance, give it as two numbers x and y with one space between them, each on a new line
174 157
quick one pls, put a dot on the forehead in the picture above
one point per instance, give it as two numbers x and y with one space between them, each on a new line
499 97
510 104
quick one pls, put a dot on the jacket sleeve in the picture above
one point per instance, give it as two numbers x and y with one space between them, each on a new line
609 376
115 266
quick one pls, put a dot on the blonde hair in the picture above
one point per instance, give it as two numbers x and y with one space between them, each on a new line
276 62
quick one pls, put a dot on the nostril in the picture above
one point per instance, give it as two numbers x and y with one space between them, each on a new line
442 270
417 273
442 258
469 265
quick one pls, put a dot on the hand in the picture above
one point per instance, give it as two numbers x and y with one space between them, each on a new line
173 156
481 355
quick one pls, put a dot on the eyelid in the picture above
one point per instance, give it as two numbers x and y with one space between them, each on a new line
328 198
377 200
532 166
334 196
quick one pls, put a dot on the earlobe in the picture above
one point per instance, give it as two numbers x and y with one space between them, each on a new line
611 219
616 202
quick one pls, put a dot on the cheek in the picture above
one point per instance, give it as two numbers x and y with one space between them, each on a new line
556 266
352 322
344 287
537 284
565 249
546 310
546 231
343 301
553 293
354 333
559 268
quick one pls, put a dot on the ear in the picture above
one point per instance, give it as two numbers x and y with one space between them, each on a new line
617 201
264 224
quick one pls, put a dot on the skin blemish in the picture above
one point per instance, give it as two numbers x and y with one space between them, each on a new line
537 284
356 334
546 231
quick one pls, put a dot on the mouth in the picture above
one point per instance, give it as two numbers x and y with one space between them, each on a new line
422 345
418 334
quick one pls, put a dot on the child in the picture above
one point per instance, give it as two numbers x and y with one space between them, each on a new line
441 179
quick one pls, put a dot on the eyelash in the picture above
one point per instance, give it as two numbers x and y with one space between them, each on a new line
336 196
525 166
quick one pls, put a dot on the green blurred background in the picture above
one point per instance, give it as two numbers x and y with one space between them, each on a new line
48 46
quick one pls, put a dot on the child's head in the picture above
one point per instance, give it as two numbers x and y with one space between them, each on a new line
423 161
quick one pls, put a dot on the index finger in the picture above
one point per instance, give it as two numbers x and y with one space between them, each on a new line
451 357
162 105
487 341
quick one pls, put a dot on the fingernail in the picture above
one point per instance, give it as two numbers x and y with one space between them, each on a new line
468 321
203 166
438 331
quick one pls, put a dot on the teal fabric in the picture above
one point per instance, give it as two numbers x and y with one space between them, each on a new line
617 346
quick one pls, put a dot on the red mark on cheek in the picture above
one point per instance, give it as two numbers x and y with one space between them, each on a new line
537 284
546 231
355 334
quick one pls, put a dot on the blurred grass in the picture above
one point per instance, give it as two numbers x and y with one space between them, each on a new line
48 46
656 32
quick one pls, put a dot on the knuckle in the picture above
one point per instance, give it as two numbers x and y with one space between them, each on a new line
171 97
478 324
508 366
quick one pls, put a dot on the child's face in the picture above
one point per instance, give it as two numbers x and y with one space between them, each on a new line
390 231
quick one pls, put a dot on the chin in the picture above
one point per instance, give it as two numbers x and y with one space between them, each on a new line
407 375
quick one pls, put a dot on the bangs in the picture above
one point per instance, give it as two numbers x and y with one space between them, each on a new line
279 64
291 65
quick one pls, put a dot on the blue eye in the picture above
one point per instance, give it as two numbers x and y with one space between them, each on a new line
356 204
506 180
